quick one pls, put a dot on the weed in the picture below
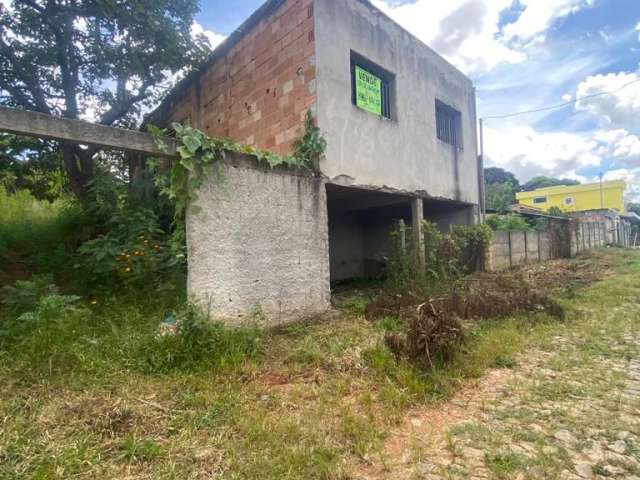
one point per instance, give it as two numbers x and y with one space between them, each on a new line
505 464
24 295
199 343
135 450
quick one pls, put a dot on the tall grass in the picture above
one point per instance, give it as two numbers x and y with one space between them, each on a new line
33 226
40 232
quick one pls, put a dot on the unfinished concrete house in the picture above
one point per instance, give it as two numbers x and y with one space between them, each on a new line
399 121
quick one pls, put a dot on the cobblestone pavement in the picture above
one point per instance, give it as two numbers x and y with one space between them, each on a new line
568 411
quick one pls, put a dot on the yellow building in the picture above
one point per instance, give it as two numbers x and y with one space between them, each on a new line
577 198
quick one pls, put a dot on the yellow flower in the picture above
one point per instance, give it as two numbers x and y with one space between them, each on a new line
127 269
94 301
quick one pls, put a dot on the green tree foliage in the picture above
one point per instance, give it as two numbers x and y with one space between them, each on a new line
499 196
507 222
543 182
109 57
633 207
500 188
493 175
32 164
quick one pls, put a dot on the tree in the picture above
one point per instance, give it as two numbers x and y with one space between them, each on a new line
100 60
633 207
499 196
32 164
542 182
500 188
493 175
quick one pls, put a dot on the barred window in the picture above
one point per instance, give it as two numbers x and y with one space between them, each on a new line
539 199
371 86
448 124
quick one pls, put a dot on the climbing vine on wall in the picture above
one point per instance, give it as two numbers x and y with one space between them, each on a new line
200 158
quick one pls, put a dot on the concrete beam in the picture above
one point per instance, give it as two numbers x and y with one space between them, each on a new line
40 125
417 215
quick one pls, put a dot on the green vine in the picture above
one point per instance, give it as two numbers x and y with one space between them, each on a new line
200 158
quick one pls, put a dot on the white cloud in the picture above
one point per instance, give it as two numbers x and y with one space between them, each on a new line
214 38
468 32
638 30
538 16
631 177
619 109
527 152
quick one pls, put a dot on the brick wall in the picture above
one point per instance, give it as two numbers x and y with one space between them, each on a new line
260 90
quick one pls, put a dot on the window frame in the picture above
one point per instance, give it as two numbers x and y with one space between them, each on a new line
537 200
387 85
568 201
449 125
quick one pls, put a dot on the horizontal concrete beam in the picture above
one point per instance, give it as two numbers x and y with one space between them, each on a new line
40 125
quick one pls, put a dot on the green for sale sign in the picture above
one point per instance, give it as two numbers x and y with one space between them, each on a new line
368 91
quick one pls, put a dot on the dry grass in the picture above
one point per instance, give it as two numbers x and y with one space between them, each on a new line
318 404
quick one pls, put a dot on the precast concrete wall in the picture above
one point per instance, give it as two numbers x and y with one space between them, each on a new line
259 244
508 249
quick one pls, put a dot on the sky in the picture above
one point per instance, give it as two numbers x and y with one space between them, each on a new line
524 55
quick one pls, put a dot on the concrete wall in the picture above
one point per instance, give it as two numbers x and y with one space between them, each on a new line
360 241
588 235
403 153
260 242
508 249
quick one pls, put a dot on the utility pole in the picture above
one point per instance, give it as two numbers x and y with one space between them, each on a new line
601 193
481 186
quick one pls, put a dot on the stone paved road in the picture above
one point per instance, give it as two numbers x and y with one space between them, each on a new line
568 411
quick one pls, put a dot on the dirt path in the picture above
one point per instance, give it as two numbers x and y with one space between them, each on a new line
571 411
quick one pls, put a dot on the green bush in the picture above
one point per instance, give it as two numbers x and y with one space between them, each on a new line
507 222
47 335
447 256
135 252
24 295
199 343
29 225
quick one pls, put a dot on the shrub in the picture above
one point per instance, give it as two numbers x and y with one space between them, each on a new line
507 222
433 336
135 252
447 256
48 333
24 295
199 343
30 225
472 241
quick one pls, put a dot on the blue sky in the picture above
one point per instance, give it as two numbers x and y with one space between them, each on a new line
526 54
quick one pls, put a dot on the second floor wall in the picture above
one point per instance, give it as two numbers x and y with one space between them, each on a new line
420 136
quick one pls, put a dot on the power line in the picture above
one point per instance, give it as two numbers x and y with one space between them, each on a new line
560 105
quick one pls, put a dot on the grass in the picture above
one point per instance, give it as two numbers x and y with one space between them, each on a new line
90 390
38 227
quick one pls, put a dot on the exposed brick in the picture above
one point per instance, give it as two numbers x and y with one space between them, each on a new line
260 90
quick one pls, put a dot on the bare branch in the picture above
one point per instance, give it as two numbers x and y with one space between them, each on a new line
119 110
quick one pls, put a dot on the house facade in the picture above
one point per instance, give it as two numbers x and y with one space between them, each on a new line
577 198
400 126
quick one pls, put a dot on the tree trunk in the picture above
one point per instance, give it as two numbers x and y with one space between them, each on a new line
78 164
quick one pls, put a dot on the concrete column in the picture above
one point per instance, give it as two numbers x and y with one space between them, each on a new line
417 215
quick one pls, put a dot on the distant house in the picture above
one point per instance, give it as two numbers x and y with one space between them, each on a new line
577 198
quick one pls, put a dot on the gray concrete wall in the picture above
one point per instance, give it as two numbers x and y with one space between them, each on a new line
360 241
509 249
403 153
260 242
